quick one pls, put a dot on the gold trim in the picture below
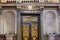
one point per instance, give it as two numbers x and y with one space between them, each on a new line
31 7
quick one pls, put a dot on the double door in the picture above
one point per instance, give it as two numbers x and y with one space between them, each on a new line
30 27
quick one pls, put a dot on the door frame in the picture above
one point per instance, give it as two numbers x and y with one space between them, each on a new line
39 25
19 22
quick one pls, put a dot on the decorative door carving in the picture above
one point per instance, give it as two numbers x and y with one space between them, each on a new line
25 31
34 31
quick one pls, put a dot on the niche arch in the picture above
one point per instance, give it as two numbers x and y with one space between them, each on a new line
9 22
50 22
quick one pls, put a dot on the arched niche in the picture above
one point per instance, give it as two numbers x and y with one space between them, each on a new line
50 22
9 22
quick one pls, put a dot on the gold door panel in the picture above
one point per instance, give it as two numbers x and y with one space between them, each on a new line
34 31
25 31
30 28
29 19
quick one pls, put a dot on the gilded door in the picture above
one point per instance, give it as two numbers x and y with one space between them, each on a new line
30 27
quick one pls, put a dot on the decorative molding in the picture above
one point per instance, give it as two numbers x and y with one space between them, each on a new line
18 7
30 7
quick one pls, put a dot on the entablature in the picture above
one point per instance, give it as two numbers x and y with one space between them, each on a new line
27 5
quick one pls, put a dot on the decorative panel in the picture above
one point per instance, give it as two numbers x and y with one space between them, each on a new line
30 28
34 31
25 31
29 19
